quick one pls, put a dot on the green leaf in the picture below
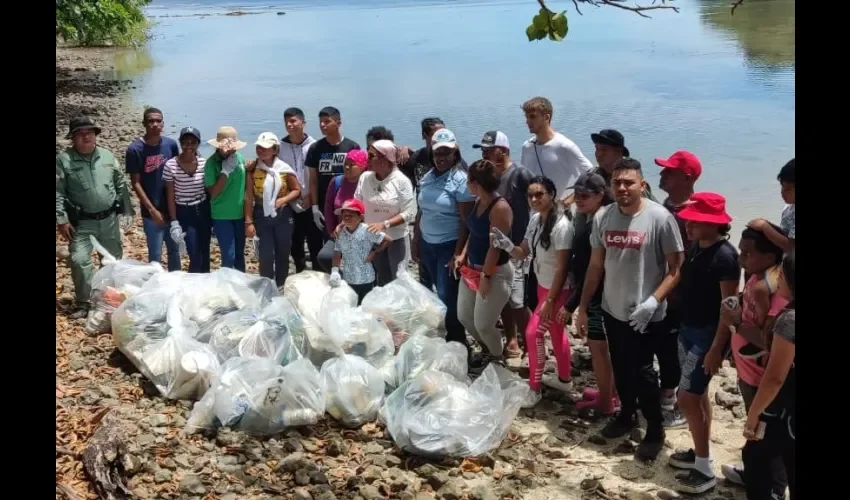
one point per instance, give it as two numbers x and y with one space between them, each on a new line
541 21
541 33
531 32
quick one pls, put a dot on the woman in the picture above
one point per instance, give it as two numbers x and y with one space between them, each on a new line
486 271
188 204
224 177
440 230
390 206
771 420
340 190
591 194
268 215
546 242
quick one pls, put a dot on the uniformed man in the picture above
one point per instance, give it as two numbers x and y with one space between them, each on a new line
91 195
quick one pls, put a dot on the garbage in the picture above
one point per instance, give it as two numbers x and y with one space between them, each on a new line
223 291
251 333
179 366
354 390
306 290
436 415
260 397
351 330
407 308
422 353
336 299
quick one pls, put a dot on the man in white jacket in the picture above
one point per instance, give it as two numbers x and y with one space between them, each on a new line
293 151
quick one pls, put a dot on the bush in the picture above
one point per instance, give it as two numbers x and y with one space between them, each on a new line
102 22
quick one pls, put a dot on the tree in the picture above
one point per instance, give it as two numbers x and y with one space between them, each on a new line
102 22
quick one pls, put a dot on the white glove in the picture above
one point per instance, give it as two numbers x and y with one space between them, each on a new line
318 218
500 240
336 279
176 231
229 165
642 314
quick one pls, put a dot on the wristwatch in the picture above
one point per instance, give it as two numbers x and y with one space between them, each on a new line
386 224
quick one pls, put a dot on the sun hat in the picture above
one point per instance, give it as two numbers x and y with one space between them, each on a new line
443 138
353 205
706 207
685 161
611 137
226 134
267 140
358 157
79 123
492 139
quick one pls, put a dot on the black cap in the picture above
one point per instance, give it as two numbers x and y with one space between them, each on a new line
590 183
610 137
190 131
493 138
81 122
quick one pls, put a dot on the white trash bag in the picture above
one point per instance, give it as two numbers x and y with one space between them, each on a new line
351 330
354 390
422 353
179 366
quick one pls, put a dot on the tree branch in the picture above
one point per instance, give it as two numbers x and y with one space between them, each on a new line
735 6
620 4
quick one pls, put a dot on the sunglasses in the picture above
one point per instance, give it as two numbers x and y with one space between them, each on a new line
536 195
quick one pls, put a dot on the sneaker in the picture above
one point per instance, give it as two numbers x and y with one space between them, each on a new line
619 426
79 312
553 382
668 403
531 400
652 444
590 394
673 419
733 473
614 408
683 459
694 482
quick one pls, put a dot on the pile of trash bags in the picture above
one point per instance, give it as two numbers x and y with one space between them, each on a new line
261 360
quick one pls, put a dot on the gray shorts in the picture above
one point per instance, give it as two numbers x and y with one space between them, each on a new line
517 298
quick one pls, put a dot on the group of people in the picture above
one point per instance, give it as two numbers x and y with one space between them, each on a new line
510 247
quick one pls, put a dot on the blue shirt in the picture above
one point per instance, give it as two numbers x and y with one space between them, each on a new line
148 162
355 247
439 195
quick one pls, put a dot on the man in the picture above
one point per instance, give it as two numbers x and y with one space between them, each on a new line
325 160
610 147
637 245
145 158
550 153
514 180
293 151
679 173
91 192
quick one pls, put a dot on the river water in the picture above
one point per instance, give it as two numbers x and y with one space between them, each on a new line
721 86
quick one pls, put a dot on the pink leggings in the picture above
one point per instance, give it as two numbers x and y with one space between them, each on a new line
535 340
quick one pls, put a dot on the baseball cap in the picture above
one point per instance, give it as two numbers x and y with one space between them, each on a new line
267 140
443 138
493 138
706 207
352 204
610 137
190 131
590 183
685 161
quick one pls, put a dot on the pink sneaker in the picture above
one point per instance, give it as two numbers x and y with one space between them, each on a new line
590 394
615 405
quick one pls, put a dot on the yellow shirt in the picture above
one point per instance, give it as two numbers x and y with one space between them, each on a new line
258 180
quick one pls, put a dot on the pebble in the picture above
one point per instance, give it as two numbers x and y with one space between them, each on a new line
162 476
158 420
301 494
667 495
727 400
192 484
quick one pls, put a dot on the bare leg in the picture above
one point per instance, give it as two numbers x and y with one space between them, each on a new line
604 374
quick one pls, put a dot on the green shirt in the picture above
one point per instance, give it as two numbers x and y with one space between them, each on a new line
91 185
229 203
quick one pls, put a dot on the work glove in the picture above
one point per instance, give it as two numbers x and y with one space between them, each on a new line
335 279
318 218
229 165
642 314
501 241
179 237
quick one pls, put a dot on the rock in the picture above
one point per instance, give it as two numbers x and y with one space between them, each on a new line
192 484
435 477
739 412
301 494
637 495
629 473
324 495
727 400
730 385
424 495
230 496
369 492
667 495
589 484
379 460
597 440
226 437
310 445
158 420
483 493
302 477
372 473
89 398
372 448
62 252
295 462
452 490
319 477
337 447
162 476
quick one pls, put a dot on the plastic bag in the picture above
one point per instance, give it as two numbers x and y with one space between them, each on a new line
226 290
408 308
250 333
306 290
436 415
144 316
353 331
422 353
259 397
179 366
354 390
336 299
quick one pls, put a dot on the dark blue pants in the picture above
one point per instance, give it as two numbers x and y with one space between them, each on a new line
275 234
231 241
196 223
433 261
155 234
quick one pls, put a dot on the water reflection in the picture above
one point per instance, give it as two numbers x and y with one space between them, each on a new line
130 63
764 29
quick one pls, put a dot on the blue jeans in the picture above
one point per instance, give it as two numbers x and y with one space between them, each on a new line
195 222
155 234
433 261
231 241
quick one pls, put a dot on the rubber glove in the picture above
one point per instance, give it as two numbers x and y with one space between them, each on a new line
501 241
335 279
640 317
318 218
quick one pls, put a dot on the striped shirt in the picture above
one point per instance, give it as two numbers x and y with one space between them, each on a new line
188 189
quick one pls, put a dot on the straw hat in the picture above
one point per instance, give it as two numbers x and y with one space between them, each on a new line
226 134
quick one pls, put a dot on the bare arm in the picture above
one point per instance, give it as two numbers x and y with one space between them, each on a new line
136 182
501 217
521 251
294 191
171 198
384 244
248 206
671 279
777 238
721 337
782 353
219 186
337 258
463 209
314 186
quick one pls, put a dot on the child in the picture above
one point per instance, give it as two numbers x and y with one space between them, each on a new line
355 246
760 258
785 241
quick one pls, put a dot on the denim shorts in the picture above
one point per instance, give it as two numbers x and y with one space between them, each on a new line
694 343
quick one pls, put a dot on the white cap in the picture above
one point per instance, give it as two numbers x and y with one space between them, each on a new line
493 138
267 140
443 138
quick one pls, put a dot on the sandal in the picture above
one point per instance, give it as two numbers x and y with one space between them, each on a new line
512 353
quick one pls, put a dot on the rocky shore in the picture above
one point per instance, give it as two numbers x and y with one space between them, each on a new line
116 438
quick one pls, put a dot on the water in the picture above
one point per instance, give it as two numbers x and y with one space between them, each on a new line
718 85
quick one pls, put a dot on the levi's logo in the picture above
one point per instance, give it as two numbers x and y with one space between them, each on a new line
624 239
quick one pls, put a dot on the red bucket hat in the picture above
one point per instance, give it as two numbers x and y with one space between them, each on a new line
685 161
352 204
706 207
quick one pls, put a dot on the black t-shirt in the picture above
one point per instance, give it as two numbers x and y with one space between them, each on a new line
513 186
327 160
699 288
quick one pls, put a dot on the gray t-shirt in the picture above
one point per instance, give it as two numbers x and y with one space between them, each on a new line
635 255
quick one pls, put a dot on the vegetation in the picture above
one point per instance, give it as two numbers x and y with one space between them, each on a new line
102 22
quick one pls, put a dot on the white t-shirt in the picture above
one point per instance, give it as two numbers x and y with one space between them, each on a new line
560 159
387 198
545 260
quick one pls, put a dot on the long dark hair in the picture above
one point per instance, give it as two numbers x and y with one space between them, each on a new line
789 262
546 233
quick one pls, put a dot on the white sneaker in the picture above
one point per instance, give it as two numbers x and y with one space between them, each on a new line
531 400
673 419
733 473
552 381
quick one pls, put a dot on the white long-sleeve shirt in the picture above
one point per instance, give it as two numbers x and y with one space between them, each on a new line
387 198
560 159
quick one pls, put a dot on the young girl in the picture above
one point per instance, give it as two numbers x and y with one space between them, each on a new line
224 177
773 407
546 242
355 248
268 216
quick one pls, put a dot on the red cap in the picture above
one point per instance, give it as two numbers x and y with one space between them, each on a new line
685 161
352 204
706 207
